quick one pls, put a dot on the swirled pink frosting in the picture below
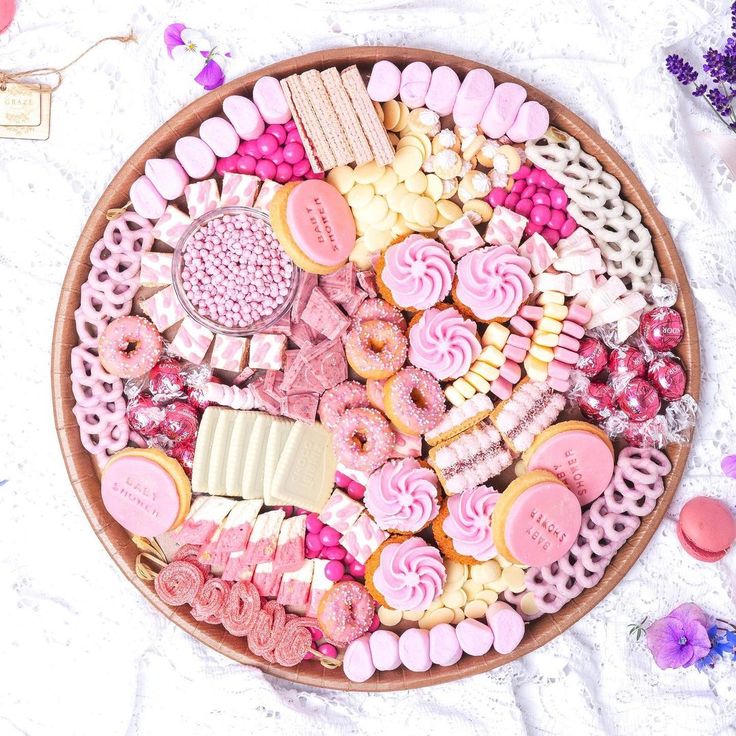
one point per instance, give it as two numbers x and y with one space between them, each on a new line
402 495
444 343
410 574
418 271
468 523
493 281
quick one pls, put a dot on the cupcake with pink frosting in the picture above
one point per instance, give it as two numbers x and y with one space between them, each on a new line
443 342
415 274
492 283
401 496
463 530
405 573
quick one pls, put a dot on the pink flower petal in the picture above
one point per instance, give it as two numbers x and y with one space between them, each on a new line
211 75
663 641
172 36
687 612
728 465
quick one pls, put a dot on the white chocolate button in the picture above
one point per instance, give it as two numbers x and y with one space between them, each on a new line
424 211
440 616
389 616
459 616
408 161
515 578
417 183
360 195
342 178
455 599
486 572
395 196
434 187
387 182
369 173
375 211
456 571
475 609
472 588
449 210
489 596
413 615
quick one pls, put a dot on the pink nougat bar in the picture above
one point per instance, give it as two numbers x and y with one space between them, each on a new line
164 309
232 535
460 237
290 550
505 227
202 197
267 351
264 538
320 585
192 341
363 538
237 568
340 512
229 353
239 190
156 268
171 226
539 252
268 189
295 586
267 579
203 519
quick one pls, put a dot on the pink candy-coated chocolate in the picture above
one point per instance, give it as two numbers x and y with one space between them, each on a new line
662 328
627 359
639 400
668 376
334 570
593 356
598 402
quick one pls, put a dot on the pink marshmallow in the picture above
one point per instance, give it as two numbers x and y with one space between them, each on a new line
531 122
244 116
268 97
502 109
168 176
443 89
220 136
195 156
473 97
415 81
384 82
146 200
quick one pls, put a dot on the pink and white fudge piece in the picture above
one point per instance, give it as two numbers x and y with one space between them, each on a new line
192 341
340 512
229 353
267 579
290 549
460 237
232 535
505 227
320 585
363 538
239 190
539 252
268 189
163 308
171 226
203 519
406 445
264 538
156 268
202 197
295 586
267 351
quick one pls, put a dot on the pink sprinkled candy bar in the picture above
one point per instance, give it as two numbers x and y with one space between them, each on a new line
192 341
202 197
239 190
268 189
539 253
460 237
163 308
340 512
229 353
156 268
171 226
363 538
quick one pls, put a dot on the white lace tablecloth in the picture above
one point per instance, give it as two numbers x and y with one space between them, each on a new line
81 652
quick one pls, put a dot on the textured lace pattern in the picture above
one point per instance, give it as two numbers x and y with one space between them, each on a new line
67 612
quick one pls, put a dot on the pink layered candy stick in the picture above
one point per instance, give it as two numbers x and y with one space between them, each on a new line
514 353
521 327
237 568
501 112
171 226
519 341
406 445
340 512
539 252
565 356
203 519
220 136
578 313
156 268
239 190
320 585
506 227
460 237
244 116
268 189
264 537
510 371
267 351
202 197
473 97
168 176
195 156
322 315
267 579
233 534
558 384
363 538
573 329
146 200
270 101
501 388
530 123
294 588
290 549
531 312
567 342
163 308
192 341
229 353
558 369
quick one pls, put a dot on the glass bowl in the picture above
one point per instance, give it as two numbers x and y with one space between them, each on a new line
260 325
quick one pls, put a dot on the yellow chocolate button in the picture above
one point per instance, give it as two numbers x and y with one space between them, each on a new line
407 161
472 588
424 211
395 196
515 578
449 210
359 196
377 240
485 572
455 599
387 182
458 617
369 173
389 616
375 211
434 187
342 178
489 596
391 113
416 183
475 609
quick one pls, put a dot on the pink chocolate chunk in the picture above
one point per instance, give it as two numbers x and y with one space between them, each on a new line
322 315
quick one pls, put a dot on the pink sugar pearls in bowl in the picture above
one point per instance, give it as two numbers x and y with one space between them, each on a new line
231 274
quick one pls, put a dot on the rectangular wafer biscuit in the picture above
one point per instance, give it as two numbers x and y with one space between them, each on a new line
348 117
308 123
325 112
373 128
309 147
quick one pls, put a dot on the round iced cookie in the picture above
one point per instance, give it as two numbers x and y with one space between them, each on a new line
384 81
530 123
220 136
475 638
536 520
444 647
414 650
443 89
357 662
197 158
507 626
145 491
270 100
473 97
168 176
244 116
384 646
415 80
578 453
706 528
146 200
314 225
501 112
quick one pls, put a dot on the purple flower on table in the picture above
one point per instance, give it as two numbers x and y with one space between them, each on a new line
721 102
681 69
196 54
172 36
681 638
721 65
211 76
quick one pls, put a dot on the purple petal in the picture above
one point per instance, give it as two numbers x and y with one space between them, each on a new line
172 36
663 640
728 465
698 642
211 75
688 612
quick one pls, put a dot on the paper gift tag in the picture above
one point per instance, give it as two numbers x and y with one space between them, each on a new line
39 131
20 104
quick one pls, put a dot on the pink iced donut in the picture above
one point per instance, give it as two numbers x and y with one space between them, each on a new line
413 401
129 347
337 400
345 612
375 348
380 309
363 439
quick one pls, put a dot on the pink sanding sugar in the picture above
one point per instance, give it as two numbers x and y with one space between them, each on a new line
234 270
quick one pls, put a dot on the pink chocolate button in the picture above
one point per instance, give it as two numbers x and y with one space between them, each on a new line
542 524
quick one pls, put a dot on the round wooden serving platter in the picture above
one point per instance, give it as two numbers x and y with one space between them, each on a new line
83 470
